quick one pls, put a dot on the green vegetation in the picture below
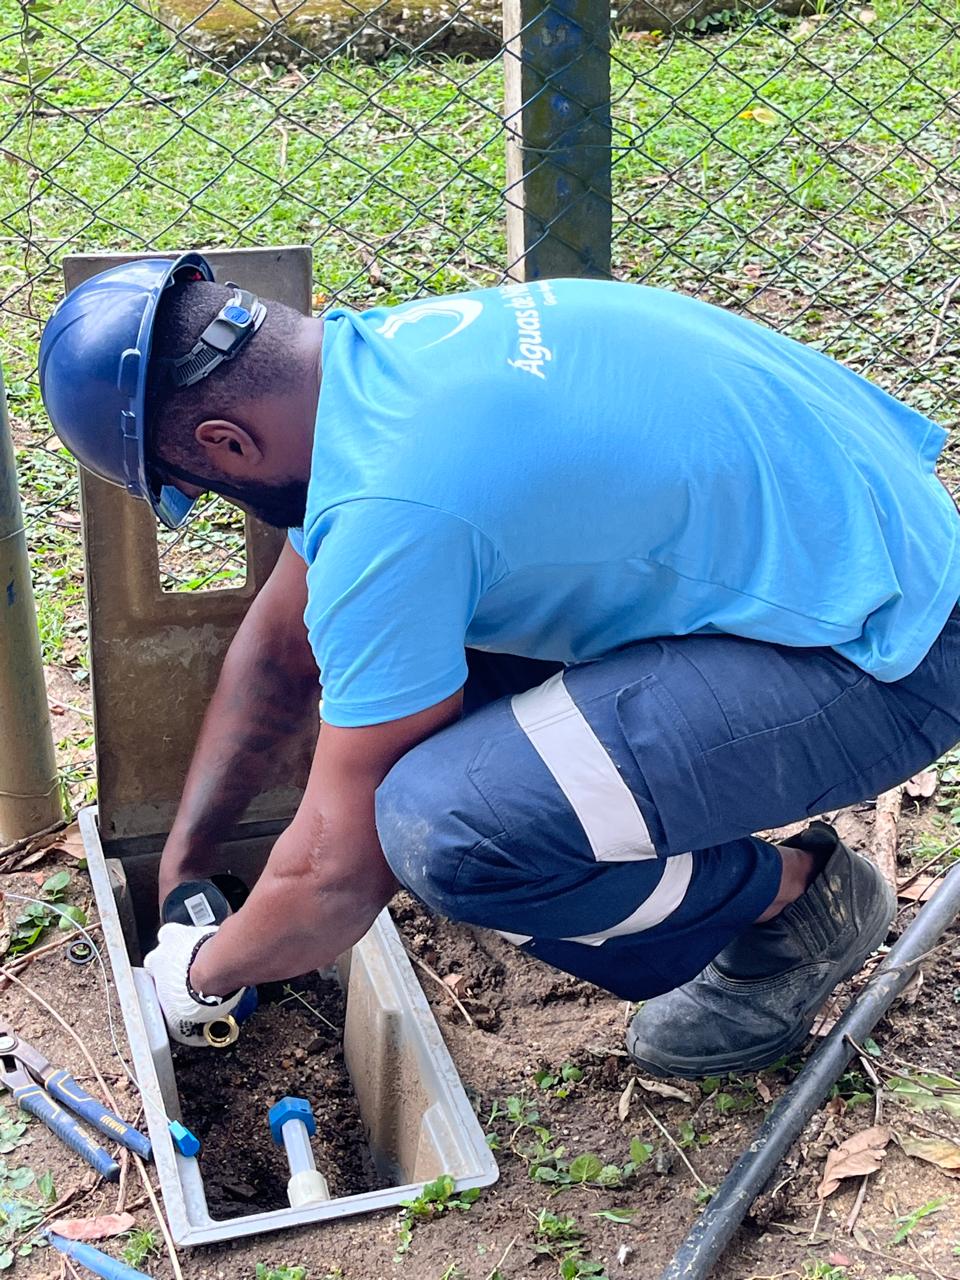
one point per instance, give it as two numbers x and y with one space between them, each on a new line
436 1198
559 1238
280 1273
35 917
547 1160
907 1223
141 1245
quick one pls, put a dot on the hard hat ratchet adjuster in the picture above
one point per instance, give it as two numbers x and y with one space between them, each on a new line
227 333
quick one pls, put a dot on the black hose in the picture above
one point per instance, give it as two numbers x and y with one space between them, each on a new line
720 1220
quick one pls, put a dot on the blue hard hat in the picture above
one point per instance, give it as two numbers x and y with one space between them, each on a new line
93 373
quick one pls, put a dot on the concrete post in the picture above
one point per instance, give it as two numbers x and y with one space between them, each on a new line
557 113
29 787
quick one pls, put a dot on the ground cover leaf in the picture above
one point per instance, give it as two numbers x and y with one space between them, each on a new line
102 1228
862 1153
926 1092
943 1152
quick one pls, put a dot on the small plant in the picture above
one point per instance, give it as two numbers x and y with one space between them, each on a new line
552 1166
280 1273
559 1238
907 1223
690 1138
436 1198
18 1219
823 1271
560 1084
30 923
140 1246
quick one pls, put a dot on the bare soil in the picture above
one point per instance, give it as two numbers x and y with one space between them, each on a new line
527 1018
291 1047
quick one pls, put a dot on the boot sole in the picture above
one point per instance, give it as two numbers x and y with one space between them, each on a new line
772 1051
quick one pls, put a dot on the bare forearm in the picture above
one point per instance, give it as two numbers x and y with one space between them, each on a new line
257 705
298 917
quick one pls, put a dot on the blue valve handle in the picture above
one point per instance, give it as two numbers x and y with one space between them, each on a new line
63 1087
33 1099
101 1264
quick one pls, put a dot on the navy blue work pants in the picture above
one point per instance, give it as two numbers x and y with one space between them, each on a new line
602 816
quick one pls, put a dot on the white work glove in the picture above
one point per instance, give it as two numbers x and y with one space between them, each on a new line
184 1010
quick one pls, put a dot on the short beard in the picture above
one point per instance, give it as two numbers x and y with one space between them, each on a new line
282 505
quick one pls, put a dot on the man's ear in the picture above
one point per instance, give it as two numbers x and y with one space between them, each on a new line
230 447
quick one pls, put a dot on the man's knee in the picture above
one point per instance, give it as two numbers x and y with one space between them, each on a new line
429 817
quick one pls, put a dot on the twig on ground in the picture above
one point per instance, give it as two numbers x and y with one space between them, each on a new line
19 963
296 995
122 1184
885 834
914 875
877 1083
891 1257
816 1223
422 964
676 1146
141 1169
502 1259
924 1259
18 846
98 108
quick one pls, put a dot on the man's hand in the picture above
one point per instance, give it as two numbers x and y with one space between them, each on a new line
184 1009
326 878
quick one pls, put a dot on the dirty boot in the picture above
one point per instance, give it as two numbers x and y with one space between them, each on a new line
758 998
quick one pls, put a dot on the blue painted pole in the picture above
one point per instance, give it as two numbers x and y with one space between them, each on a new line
29 787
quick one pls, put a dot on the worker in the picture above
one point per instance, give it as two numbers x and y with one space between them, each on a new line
598 581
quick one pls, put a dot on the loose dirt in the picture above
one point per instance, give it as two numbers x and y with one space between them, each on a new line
528 1020
291 1047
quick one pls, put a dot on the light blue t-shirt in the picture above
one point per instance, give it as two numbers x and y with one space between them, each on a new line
559 469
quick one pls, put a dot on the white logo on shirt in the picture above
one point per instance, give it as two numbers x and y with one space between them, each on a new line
462 310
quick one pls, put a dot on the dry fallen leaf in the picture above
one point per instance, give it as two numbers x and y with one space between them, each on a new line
623 1106
922 784
69 842
111 1224
867 16
762 115
921 889
457 983
943 1152
858 1155
839 1260
912 990
663 1090
763 1089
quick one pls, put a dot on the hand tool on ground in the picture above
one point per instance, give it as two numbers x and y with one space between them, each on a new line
35 1083
95 1260
292 1125
203 902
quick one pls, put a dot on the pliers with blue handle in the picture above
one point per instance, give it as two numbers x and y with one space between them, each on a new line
35 1084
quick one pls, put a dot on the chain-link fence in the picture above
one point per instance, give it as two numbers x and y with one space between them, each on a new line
800 167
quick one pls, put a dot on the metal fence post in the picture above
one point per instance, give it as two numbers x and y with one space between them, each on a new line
29 787
557 112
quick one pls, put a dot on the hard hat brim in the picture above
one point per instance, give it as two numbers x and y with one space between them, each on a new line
171 507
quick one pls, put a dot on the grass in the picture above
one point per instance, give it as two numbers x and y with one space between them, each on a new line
803 171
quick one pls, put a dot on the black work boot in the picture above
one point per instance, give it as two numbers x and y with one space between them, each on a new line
758 999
